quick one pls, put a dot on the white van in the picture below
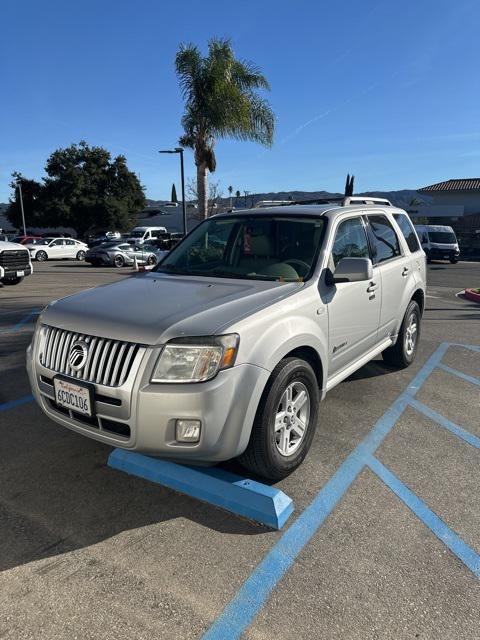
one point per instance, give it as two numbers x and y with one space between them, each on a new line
439 242
139 235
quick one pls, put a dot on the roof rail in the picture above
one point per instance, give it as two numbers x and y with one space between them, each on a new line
365 200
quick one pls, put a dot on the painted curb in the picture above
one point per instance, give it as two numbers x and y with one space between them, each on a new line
233 493
471 295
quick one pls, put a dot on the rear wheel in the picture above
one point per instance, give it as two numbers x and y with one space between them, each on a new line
41 256
81 255
285 422
151 260
403 352
118 261
454 260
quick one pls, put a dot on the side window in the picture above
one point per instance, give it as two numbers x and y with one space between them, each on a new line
350 241
57 243
384 239
406 227
70 242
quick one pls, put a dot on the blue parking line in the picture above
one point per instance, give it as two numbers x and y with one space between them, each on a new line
11 404
460 548
23 321
446 423
252 595
459 374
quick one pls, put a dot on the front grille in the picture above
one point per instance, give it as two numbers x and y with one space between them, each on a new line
13 260
108 362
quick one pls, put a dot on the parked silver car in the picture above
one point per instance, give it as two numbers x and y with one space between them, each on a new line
227 347
120 254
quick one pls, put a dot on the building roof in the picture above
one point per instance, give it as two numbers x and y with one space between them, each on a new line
456 184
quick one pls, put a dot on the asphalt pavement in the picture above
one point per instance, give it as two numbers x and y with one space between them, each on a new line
383 542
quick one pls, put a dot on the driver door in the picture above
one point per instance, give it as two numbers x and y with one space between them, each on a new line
57 249
353 307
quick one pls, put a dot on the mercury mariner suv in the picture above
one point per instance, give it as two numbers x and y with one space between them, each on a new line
225 349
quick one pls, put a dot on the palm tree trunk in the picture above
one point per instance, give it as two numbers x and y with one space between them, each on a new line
202 189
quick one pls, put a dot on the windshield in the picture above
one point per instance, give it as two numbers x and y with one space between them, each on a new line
137 234
442 237
278 247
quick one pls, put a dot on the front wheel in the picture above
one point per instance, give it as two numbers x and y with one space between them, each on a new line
151 260
403 352
41 256
454 260
81 256
285 422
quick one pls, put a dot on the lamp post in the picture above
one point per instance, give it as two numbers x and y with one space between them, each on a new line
19 185
179 150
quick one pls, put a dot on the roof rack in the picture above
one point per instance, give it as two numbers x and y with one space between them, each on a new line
365 200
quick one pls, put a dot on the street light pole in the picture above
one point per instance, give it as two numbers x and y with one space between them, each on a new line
19 185
179 150
182 172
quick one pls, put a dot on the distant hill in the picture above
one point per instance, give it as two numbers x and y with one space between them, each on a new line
400 198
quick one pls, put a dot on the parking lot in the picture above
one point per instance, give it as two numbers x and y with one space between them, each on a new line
384 541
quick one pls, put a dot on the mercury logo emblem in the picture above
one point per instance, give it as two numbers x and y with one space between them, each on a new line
78 355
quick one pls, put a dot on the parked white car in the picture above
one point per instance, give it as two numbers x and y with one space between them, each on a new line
57 249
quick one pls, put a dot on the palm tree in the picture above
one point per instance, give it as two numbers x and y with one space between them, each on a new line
230 191
220 101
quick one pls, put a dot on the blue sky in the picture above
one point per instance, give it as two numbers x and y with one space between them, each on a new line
388 90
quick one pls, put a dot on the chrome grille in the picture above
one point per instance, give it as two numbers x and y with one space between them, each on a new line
108 362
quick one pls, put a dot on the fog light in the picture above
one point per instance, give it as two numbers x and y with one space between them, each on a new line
188 430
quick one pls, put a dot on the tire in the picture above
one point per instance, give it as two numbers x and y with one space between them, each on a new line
119 261
263 455
402 353
41 256
151 260
454 260
81 256
12 281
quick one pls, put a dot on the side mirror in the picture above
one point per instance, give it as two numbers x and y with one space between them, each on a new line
353 270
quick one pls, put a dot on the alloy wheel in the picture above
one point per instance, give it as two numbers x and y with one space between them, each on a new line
292 418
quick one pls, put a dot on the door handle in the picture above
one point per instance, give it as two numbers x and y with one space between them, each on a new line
373 286
405 271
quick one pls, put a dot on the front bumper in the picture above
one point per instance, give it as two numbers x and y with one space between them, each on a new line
436 253
141 416
11 274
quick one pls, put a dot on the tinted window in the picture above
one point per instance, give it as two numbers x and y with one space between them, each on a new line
69 242
442 237
350 241
406 228
384 239
57 243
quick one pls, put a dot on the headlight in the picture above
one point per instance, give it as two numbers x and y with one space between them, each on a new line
195 359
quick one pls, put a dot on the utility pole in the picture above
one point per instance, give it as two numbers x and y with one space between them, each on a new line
245 193
19 185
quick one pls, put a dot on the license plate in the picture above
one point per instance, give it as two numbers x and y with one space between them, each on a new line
20 273
71 395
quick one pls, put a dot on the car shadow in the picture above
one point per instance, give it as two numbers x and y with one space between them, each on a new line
58 494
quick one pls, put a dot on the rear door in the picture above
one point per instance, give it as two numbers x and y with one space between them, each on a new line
394 265
353 307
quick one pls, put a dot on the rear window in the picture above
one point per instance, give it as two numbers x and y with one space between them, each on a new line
406 227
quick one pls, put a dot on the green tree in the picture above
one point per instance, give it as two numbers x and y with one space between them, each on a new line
221 101
31 192
230 191
173 197
237 196
85 189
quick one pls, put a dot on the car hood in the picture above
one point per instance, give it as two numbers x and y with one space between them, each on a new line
11 246
152 308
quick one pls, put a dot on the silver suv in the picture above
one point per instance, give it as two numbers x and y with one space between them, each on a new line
225 349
